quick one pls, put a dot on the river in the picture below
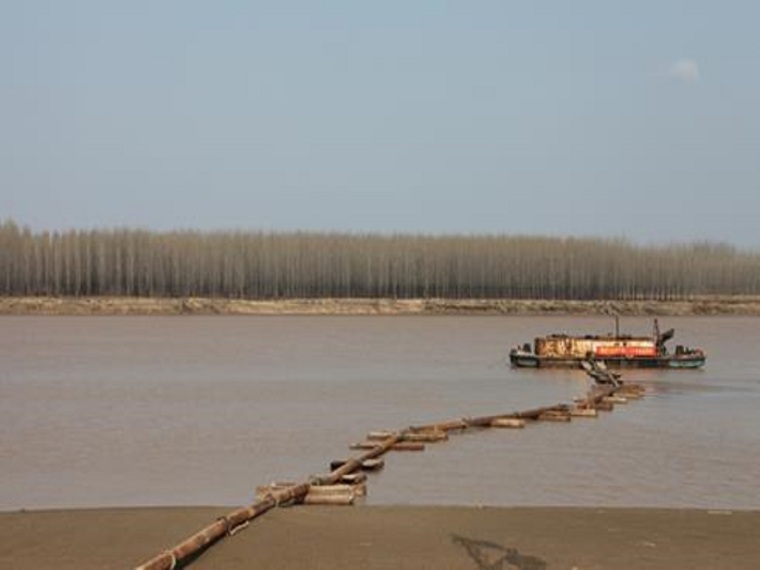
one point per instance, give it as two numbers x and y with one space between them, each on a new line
128 411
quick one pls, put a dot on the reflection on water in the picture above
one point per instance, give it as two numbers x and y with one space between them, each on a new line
199 410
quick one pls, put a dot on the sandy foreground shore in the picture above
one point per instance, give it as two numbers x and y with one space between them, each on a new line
466 538
708 305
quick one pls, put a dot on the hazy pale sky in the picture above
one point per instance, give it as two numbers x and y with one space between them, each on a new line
608 118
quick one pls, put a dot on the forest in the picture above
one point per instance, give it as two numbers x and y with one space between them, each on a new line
302 265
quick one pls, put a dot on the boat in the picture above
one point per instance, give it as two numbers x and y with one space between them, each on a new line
615 350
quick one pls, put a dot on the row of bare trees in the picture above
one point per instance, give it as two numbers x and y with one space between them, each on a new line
261 265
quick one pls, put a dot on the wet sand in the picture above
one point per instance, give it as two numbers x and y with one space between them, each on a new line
467 538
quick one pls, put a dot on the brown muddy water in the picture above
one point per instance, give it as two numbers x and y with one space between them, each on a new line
126 411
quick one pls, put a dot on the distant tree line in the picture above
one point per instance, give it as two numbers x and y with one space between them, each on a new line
267 265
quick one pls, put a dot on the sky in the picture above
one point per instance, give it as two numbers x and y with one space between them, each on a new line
636 120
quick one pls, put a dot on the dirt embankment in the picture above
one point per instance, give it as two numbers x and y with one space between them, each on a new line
737 305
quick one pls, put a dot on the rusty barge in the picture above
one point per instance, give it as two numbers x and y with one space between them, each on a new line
618 350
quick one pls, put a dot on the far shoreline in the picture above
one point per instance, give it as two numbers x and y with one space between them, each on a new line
112 306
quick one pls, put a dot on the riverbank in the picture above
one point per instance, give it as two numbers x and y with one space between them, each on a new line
466 538
49 306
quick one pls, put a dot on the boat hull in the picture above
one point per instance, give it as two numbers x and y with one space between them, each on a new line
527 360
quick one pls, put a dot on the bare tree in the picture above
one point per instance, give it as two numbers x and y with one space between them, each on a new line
259 265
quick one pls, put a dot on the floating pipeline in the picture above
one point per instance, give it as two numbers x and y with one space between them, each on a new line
346 479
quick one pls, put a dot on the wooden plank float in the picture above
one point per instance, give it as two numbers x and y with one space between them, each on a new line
428 436
345 500
381 435
451 425
339 494
408 446
555 416
578 412
337 489
412 435
400 446
615 400
373 464
514 423
331 495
